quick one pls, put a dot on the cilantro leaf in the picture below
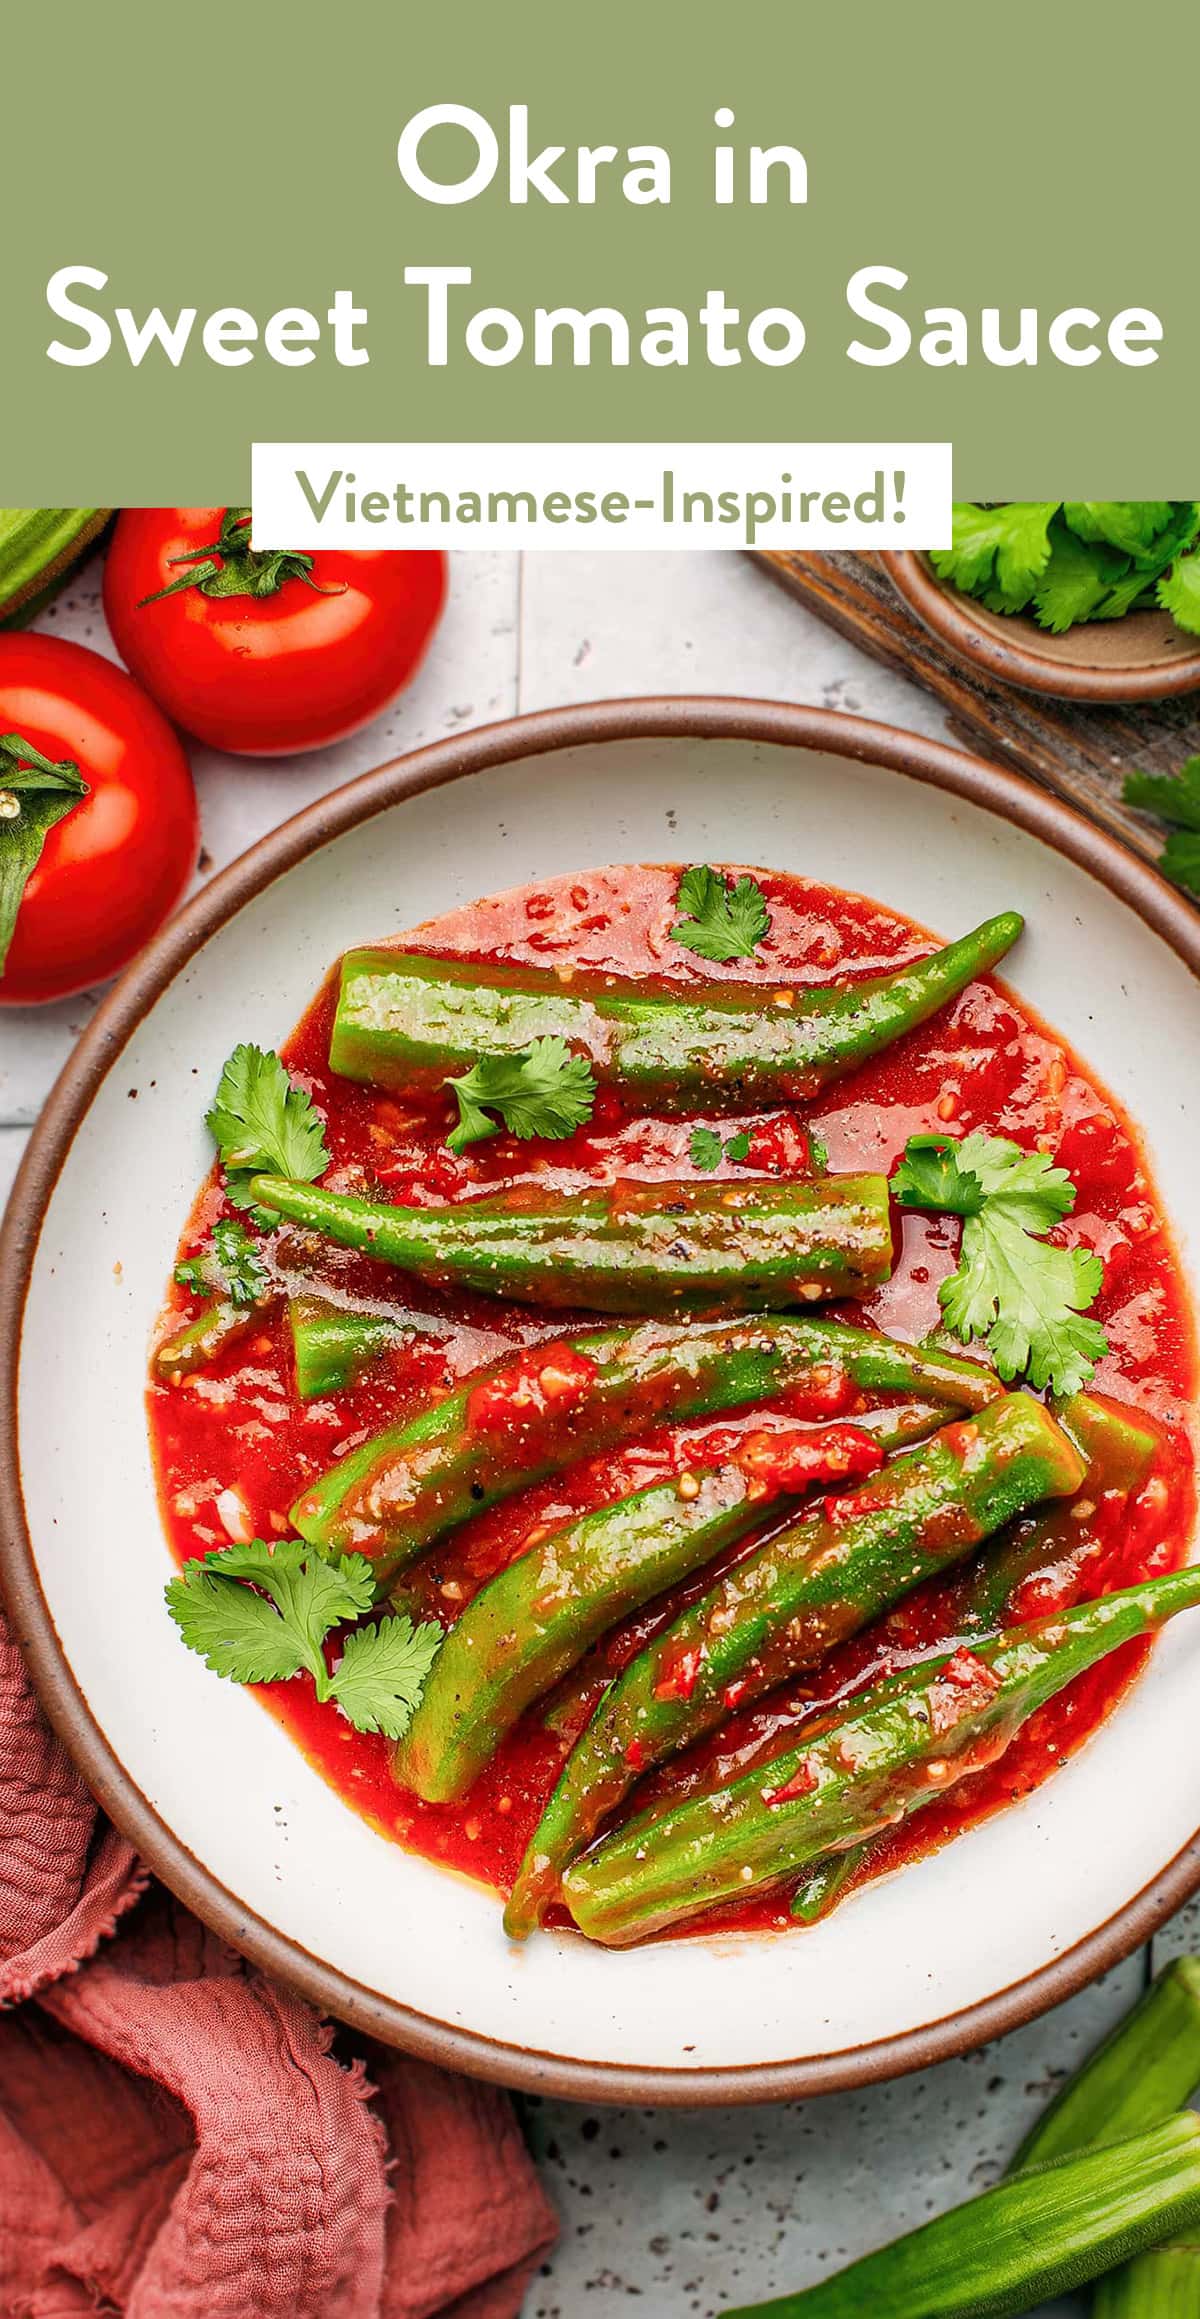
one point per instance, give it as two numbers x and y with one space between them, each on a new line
818 1152
275 1626
707 1149
929 1176
998 552
263 1124
1128 524
1035 1193
1032 1313
1180 859
227 1267
473 1122
718 919
1174 798
236 1632
1023 1294
1077 580
382 1672
544 1091
1093 580
1178 592
311 1592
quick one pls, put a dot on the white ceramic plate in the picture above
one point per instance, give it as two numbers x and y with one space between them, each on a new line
1002 1922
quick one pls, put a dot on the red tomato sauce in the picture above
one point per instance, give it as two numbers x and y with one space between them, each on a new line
984 1062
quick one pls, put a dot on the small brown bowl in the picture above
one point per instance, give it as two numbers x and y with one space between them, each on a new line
1144 657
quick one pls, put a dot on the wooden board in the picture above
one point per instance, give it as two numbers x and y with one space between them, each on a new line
1082 753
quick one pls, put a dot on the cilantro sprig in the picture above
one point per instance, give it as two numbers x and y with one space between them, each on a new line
261 1613
264 1124
1175 798
1078 559
707 1149
719 919
543 1091
1023 1294
227 1266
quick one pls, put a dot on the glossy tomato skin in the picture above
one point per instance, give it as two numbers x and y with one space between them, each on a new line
118 865
267 676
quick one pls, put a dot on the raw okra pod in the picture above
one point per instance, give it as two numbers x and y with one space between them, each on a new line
1033 2237
1140 2074
1163 2283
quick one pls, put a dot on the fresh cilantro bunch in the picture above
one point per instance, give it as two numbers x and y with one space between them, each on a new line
1023 1294
1078 559
261 1613
227 1266
545 1091
718 918
264 1125
1175 798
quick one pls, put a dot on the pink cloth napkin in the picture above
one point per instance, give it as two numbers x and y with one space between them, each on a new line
179 2138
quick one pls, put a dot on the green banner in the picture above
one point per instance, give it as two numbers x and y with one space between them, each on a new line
647 223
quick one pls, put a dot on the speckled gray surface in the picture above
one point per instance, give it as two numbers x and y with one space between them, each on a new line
677 2214
686 2214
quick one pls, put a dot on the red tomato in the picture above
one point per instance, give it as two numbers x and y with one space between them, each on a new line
324 646
118 864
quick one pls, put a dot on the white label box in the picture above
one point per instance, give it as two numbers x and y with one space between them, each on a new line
601 495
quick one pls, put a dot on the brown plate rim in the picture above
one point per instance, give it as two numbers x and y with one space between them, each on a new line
683 717
950 616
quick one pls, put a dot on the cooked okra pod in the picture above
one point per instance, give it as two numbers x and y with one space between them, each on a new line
1118 1454
535 1619
333 1345
823 1885
402 1018
536 1412
895 1748
628 1248
570 1706
199 1340
783 1606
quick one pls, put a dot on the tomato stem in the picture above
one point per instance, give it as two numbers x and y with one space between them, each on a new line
229 566
35 795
